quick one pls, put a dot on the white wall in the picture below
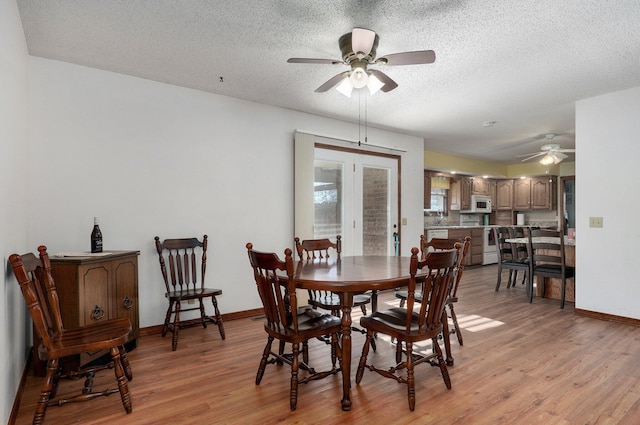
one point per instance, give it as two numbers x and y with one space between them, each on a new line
154 159
607 152
13 202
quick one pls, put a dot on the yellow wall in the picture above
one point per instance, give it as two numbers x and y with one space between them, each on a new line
448 163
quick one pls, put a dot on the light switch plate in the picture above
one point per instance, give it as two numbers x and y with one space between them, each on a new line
404 221
595 221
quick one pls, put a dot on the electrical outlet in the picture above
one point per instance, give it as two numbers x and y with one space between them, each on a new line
595 221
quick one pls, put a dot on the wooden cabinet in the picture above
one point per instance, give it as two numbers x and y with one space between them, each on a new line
96 288
504 195
493 187
475 254
465 193
427 190
536 193
479 186
454 195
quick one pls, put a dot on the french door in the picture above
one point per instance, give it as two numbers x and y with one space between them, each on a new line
356 196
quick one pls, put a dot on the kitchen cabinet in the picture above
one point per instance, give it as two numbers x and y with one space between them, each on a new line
492 184
427 190
475 255
479 186
465 193
536 193
504 195
91 289
454 195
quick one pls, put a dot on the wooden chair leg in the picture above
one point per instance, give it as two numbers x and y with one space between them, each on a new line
176 327
446 336
167 319
441 363
122 382
363 357
203 314
263 360
45 392
214 301
293 394
564 291
125 363
499 277
411 380
456 326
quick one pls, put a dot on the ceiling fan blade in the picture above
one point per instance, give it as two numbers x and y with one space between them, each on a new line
318 61
332 82
409 58
535 155
565 150
389 84
362 40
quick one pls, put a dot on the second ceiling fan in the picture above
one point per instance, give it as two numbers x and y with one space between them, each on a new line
358 50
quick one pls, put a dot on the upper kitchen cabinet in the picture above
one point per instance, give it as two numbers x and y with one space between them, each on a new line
479 186
454 195
460 193
536 193
504 195
492 185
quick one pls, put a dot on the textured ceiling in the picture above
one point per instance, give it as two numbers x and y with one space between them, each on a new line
520 63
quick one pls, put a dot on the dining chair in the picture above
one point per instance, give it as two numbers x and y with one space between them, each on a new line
426 247
184 281
57 342
453 296
419 321
285 322
319 249
548 260
508 258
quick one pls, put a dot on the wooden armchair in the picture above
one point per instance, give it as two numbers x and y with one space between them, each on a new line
184 281
284 321
419 321
56 342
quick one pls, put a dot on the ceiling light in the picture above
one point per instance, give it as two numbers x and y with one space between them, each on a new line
345 87
374 84
358 78
547 160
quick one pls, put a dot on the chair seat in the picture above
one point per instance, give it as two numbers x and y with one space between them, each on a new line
332 302
309 326
194 293
392 322
553 269
94 337
402 294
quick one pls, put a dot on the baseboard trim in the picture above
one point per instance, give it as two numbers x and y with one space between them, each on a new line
245 314
23 381
607 317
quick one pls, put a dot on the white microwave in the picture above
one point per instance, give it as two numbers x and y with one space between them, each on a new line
480 204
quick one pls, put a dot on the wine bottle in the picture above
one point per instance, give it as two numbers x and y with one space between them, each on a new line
96 237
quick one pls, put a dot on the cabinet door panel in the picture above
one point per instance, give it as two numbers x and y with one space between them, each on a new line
95 294
126 292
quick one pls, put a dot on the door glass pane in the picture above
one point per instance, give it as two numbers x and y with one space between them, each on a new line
375 211
328 205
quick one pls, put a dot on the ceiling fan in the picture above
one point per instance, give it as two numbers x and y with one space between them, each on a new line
552 152
359 52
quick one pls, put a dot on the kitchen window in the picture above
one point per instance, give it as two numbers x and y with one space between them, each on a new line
438 201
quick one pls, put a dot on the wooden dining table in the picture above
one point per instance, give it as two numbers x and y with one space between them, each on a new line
348 276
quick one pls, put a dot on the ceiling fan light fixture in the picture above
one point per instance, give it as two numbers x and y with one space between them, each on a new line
547 160
374 84
345 87
358 78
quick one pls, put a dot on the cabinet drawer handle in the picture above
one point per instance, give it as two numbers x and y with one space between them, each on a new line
97 313
127 303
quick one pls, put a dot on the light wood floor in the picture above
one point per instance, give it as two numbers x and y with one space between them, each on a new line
521 363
